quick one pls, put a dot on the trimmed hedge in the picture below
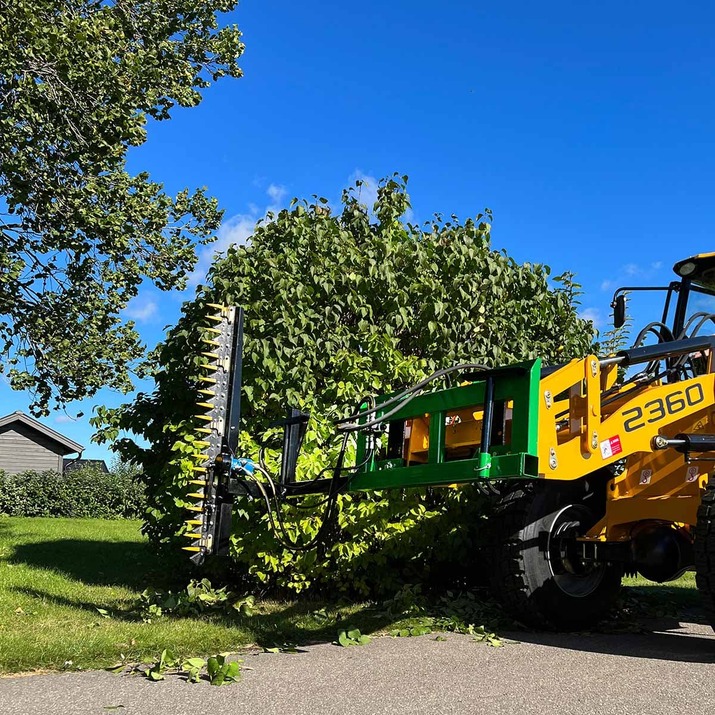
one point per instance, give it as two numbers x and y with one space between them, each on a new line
81 493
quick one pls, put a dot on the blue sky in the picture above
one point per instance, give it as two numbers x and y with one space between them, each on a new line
587 129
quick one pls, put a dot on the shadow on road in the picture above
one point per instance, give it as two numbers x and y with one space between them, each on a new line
661 639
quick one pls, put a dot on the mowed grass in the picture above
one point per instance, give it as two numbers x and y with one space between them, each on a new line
56 573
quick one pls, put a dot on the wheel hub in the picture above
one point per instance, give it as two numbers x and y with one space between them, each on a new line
571 573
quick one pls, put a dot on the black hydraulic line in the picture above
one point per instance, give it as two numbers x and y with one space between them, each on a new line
359 426
414 388
334 485
410 393
677 365
648 353
664 334
661 331
704 317
638 386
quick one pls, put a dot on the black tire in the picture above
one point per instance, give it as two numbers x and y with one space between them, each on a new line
535 569
705 550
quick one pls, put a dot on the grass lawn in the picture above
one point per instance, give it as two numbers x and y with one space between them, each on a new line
56 573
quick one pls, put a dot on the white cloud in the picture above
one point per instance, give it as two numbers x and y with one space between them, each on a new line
276 193
594 315
367 193
141 309
642 271
630 272
237 231
64 419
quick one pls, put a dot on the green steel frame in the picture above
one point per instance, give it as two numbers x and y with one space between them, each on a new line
518 384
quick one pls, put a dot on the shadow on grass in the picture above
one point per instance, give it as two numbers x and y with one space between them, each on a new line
304 623
105 563
294 623
655 601
647 627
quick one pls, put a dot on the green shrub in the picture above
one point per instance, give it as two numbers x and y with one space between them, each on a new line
87 492
340 304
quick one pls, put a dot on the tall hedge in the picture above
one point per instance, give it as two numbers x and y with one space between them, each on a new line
340 304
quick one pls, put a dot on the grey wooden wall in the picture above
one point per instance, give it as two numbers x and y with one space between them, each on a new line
22 448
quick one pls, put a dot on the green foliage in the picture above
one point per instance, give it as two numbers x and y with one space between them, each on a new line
450 612
340 305
79 80
82 493
217 670
193 667
351 636
165 662
223 672
197 598
419 629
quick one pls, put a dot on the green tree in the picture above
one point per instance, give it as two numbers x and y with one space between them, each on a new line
340 305
79 80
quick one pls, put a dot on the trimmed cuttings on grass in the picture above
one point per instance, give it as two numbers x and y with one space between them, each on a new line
452 612
198 597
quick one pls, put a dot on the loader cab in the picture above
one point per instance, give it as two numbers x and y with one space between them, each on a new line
695 309
689 306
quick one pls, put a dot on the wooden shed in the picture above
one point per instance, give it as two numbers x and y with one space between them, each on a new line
26 444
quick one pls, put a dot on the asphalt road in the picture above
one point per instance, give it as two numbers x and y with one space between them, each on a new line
668 670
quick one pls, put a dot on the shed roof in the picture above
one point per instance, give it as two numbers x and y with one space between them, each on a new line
67 444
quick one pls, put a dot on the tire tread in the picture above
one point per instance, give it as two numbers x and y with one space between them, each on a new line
705 549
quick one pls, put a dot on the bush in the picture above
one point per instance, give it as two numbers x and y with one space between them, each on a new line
83 493
341 304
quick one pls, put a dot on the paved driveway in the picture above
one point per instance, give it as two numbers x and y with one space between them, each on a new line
668 670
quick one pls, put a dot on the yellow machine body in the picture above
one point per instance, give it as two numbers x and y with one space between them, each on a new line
578 436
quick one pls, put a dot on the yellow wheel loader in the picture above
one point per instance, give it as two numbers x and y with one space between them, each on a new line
602 465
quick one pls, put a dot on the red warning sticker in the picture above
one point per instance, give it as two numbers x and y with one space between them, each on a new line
611 447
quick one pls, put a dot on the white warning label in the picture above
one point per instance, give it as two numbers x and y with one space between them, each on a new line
692 474
610 447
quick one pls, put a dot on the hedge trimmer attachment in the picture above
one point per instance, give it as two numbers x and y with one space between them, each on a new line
221 474
210 524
